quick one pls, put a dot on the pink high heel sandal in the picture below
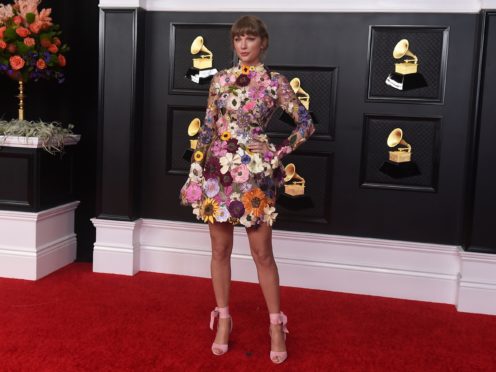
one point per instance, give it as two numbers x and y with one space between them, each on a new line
279 318
222 313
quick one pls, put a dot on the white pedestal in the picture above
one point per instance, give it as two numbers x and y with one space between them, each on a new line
35 244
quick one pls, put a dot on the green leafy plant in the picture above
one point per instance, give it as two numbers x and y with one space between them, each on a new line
51 135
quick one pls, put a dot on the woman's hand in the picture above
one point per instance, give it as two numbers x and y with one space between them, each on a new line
258 146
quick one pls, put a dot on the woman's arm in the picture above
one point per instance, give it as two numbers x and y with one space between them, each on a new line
208 129
289 102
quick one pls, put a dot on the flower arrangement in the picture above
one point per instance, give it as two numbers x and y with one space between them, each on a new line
30 47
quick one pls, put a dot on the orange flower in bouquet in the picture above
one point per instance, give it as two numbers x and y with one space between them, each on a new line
30 45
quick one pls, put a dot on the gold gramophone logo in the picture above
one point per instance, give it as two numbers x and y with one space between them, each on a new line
403 152
202 70
399 164
193 130
406 75
303 96
294 184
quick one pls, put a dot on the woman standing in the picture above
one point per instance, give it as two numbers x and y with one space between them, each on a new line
236 171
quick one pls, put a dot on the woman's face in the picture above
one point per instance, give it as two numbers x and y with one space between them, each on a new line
248 48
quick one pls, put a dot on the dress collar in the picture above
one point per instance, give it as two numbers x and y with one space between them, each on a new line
248 69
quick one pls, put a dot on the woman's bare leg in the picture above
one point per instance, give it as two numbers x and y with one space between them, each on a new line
221 236
260 239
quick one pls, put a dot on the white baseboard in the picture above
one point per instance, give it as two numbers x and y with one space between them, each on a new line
477 293
35 244
406 270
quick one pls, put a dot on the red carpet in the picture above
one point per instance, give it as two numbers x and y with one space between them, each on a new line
76 320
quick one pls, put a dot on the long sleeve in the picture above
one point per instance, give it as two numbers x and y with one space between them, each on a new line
208 129
289 102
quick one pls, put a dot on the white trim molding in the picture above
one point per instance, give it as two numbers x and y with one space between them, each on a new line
34 142
116 250
35 244
404 6
397 269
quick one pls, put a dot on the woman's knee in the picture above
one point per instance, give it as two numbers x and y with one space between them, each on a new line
221 251
263 257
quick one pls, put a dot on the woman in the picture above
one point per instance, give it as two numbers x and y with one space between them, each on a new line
236 171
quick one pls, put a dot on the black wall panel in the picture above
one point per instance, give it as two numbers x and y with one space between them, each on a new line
483 236
338 44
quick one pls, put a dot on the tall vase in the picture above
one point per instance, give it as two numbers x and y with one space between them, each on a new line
21 97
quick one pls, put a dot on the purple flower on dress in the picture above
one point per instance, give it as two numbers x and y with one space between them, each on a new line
236 209
232 145
212 168
242 80
211 187
245 159
226 179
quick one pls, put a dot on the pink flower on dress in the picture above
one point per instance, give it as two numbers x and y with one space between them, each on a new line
29 41
193 192
219 148
240 173
228 191
211 187
249 106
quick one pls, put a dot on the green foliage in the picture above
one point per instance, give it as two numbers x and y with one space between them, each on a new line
51 134
30 17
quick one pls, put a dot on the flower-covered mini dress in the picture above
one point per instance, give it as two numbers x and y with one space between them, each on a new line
227 182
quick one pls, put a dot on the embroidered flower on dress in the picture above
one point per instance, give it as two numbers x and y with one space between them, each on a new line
269 215
223 214
211 187
195 172
226 179
256 164
232 145
193 192
212 168
254 202
198 156
240 173
225 136
236 209
229 161
209 210
219 148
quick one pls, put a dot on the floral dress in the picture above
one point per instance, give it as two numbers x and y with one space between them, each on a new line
227 182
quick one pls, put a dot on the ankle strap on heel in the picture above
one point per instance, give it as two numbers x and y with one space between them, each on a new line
279 318
221 312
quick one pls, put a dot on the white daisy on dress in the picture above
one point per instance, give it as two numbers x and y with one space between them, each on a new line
195 172
256 164
223 214
229 161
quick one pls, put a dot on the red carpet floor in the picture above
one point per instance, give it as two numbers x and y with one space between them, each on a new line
76 320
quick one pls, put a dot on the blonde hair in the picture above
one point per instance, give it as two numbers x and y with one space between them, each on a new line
250 25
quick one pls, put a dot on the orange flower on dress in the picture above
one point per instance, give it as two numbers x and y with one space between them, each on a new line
16 62
2 30
41 64
209 210
3 44
245 69
254 202
29 41
61 59
17 20
12 48
22 32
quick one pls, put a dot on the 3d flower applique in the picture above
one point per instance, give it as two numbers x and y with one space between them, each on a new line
229 161
225 136
269 215
223 214
254 202
195 172
209 210
236 209
193 192
198 156
211 187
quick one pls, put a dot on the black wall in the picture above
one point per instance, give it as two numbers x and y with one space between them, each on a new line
74 101
481 236
331 164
